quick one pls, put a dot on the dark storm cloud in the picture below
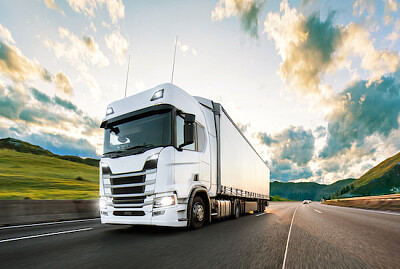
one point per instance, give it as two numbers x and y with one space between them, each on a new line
363 111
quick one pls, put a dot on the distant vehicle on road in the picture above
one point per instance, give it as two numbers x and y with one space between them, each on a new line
172 159
306 201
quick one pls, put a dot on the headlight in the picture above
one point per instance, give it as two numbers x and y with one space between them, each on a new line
103 204
151 162
105 168
164 201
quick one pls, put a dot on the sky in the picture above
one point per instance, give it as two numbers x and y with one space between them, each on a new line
314 85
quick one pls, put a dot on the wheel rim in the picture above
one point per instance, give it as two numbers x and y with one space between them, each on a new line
198 212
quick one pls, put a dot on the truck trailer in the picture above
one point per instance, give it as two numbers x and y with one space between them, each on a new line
172 159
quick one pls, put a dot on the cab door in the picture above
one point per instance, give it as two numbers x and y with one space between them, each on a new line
187 161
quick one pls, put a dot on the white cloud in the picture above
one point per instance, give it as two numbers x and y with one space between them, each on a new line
14 65
117 44
77 51
247 10
51 4
115 8
194 52
63 83
6 35
306 57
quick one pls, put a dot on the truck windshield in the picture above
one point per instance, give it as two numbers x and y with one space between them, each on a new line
138 135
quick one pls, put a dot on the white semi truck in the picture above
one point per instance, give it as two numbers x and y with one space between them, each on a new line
171 159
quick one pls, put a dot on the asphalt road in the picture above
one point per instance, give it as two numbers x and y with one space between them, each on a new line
320 236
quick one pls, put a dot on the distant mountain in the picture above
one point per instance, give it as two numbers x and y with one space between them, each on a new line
306 190
381 179
25 147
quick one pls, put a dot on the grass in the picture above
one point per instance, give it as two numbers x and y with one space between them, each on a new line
30 176
378 171
276 198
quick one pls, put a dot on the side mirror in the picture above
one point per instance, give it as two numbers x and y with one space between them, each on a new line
188 129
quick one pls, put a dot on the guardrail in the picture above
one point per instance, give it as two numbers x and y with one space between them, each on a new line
381 202
35 211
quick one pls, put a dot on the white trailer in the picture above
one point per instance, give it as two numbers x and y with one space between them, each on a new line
171 159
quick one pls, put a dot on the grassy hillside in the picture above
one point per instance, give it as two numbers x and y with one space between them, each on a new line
306 190
381 179
25 147
26 175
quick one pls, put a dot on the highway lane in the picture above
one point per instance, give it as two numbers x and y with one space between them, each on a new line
321 237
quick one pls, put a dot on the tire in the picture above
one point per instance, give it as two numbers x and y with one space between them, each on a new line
236 212
198 213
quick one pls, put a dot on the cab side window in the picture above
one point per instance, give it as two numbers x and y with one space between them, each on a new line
201 137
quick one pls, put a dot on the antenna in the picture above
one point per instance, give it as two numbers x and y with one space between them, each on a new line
127 73
173 64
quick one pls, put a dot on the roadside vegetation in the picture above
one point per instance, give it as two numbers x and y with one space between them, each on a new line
32 176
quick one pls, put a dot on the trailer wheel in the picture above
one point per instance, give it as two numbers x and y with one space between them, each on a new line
236 213
198 215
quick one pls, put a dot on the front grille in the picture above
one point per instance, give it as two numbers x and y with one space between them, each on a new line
128 190
128 180
127 200
129 213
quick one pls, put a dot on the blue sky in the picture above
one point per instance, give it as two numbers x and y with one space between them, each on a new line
314 84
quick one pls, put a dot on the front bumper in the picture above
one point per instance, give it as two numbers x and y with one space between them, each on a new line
163 216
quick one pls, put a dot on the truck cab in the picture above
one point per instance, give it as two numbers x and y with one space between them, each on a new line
156 153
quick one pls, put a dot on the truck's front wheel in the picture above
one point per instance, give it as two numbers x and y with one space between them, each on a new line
198 215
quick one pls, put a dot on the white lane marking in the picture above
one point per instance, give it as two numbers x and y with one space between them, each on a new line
368 210
42 235
287 243
261 214
47 223
317 211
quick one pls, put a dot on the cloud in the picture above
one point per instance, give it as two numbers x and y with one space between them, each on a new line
357 41
14 65
293 143
395 35
51 4
115 8
360 6
11 102
291 151
117 44
285 171
63 84
320 131
361 112
390 6
77 51
247 10
6 35
55 118
306 57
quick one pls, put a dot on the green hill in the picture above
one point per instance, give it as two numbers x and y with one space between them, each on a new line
381 179
306 190
25 147
37 176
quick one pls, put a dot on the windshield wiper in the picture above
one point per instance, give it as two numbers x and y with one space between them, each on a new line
146 146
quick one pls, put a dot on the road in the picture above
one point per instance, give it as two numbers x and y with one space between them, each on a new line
290 233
